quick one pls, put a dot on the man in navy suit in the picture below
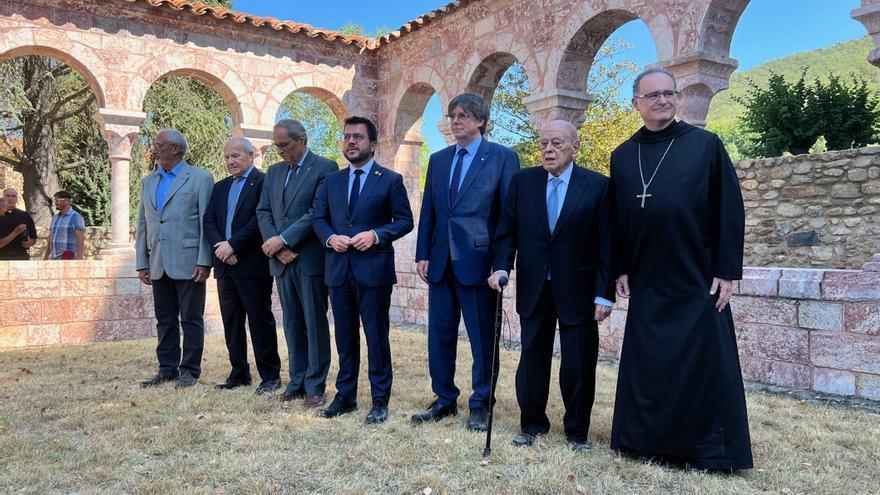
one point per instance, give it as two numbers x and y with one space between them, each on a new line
556 224
244 285
465 189
359 212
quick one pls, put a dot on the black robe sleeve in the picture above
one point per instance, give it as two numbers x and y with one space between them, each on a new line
729 215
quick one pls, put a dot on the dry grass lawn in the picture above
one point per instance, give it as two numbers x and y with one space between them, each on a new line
73 420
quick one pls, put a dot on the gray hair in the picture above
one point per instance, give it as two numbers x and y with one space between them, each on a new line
653 70
175 137
245 144
294 129
472 104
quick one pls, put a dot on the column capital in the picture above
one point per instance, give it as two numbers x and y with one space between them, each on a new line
259 135
700 76
445 128
869 16
119 128
557 103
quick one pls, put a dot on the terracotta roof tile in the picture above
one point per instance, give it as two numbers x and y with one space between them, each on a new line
199 8
420 21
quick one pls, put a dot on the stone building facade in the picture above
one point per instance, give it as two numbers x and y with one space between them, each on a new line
121 47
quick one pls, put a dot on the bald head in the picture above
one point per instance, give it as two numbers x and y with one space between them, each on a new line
10 198
563 126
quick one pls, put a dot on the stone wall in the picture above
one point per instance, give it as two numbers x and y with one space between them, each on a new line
818 210
70 302
799 328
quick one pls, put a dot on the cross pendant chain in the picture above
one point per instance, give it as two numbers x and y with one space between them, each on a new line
645 185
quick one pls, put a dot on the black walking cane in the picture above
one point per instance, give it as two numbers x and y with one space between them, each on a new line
499 311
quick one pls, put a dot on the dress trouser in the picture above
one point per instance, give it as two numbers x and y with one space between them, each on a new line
448 302
353 303
579 347
179 305
249 298
304 304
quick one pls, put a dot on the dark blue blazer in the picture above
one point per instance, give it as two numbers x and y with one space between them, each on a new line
246 240
382 207
463 231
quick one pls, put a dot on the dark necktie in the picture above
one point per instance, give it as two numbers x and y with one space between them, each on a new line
288 187
355 191
456 175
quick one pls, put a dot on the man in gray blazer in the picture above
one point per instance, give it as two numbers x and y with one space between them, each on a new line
296 259
174 257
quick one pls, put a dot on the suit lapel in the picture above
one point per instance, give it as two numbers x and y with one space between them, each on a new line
245 190
572 195
369 184
539 197
152 185
299 178
476 165
178 183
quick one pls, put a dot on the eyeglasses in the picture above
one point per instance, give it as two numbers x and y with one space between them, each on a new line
556 144
353 137
461 116
669 95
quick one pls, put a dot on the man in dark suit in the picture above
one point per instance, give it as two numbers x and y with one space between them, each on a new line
465 189
360 211
556 223
296 259
174 257
244 285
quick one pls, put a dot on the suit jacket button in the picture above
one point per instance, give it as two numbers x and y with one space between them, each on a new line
350 225
284 219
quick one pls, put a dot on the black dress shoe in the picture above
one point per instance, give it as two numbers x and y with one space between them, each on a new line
435 412
268 386
157 380
185 380
524 439
337 408
582 446
478 420
232 383
378 413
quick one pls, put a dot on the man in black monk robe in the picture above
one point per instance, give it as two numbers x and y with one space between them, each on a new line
678 227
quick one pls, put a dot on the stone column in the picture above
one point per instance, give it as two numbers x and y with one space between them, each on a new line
869 16
446 129
120 128
557 104
259 135
700 76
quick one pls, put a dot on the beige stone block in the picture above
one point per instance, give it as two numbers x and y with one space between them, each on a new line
778 343
834 381
77 332
749 185
845 351
767 310
40 335
863 318
69 309
19 312
848 190
789 210
819 315
868 386
13 337
857 175
872 187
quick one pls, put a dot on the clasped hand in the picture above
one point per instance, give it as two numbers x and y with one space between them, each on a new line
361 241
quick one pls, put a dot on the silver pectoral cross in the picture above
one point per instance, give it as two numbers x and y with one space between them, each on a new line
643 196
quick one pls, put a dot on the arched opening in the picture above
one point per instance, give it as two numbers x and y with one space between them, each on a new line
600 61
48 139
195 109
322 114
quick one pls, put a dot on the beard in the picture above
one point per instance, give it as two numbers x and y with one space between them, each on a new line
362 156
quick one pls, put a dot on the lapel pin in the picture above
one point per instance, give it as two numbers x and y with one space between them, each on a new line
377 173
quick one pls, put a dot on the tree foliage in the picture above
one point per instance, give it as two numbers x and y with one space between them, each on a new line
792 116
322 126
608 122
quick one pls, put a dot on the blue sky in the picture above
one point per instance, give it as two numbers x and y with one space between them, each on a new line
768 29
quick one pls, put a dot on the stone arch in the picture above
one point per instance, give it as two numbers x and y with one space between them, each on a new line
73 61
327 89
719 24
410 110
221 85
583 46
488 72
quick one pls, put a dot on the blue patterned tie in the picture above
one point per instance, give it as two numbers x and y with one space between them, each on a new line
553 202
234 193
456 175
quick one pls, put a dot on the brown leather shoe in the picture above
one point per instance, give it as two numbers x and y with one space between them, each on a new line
315 400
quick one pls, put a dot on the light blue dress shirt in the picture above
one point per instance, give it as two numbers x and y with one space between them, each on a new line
465 161
366 168
165 181
562 189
